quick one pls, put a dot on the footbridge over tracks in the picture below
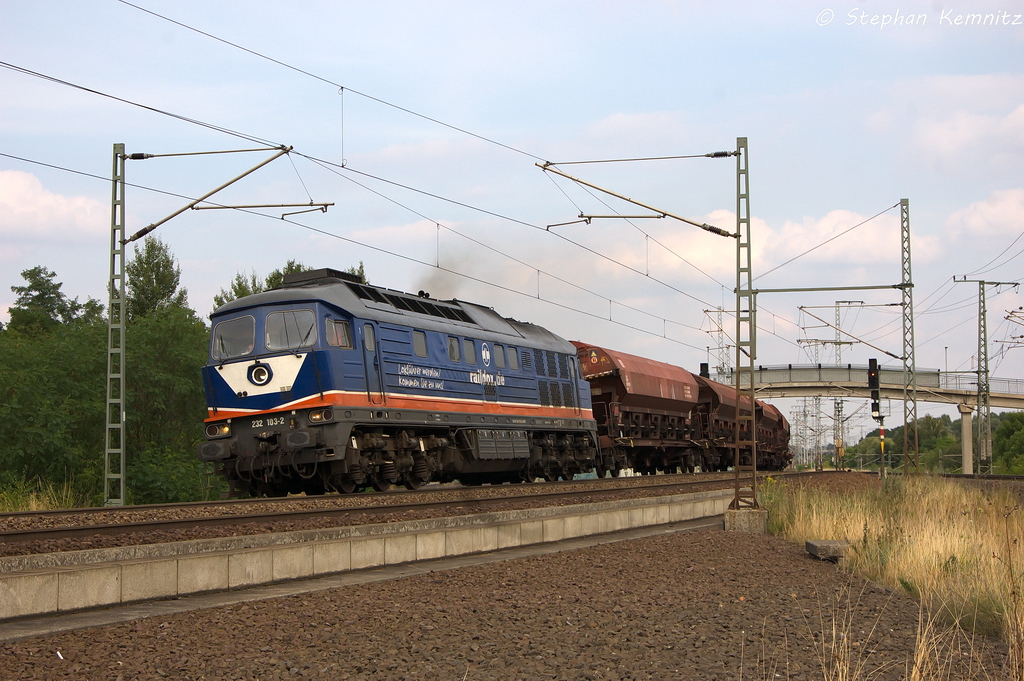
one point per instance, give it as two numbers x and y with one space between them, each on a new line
851 381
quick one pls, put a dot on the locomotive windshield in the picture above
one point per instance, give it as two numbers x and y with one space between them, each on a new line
234 338
291 329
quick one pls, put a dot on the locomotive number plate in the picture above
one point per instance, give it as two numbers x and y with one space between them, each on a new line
272 421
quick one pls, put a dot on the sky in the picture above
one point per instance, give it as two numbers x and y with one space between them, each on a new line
422 123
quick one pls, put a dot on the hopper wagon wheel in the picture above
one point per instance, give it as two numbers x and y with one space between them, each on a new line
411 482
551 474
347 485
380 483
600 470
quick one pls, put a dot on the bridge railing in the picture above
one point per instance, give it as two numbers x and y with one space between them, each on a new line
966 381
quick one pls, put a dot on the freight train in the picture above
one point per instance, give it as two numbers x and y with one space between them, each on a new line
326 383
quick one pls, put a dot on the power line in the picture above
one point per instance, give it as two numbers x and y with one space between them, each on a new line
402 256
330 82
226 131
346 168
826 241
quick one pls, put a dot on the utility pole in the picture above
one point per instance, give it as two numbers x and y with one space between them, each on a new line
114 451
984 405
113 456
911 447
838 422
746 335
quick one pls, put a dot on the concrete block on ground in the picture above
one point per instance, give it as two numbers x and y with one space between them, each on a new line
430 545
461 542
149 579
489 538
87 587
202 573
554 529
531 532
400 549
509 535
28 593
367 552
331 556
573 526
747 520
827 549
250 567
592 523
293 562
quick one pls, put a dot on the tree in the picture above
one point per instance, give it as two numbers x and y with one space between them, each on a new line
153 279
41 305
1008 442
246 285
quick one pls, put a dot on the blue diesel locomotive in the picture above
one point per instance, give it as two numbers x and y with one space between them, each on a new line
326 383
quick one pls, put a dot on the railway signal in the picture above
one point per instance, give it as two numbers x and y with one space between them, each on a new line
873 386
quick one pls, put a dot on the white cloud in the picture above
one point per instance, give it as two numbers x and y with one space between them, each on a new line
30 213
1001 214
961 132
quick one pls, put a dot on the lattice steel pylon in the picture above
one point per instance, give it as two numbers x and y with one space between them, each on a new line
984 448
114 454
911 447
746 338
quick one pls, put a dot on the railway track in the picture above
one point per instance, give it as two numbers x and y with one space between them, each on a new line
82 523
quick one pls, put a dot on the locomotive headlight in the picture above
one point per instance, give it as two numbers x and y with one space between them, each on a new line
321 415
260 374
218 430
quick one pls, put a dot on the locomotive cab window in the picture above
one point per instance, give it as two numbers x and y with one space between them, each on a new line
453 349
339 334
369 341
419 343
470 351
513 359
291 329
234 338
499 356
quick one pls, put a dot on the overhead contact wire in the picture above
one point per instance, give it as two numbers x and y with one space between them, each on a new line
330 82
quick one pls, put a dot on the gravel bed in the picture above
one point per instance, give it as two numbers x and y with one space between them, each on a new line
697 605
376 515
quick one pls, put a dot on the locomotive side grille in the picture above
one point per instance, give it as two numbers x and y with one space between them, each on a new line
556 395
552 366
540 363
545 396
569 395
563 366
527 360
490 390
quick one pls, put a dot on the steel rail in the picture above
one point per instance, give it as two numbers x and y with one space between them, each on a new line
476 504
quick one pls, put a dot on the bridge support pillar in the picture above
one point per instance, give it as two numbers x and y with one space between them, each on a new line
966 438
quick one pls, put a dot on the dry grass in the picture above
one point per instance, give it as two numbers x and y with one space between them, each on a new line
37 496
956 548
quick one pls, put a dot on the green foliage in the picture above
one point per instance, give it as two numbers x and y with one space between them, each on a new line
53 388
359 272
153 277
42 306
247 284
1008 442
52 397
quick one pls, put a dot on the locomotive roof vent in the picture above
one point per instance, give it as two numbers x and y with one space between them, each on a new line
313 276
